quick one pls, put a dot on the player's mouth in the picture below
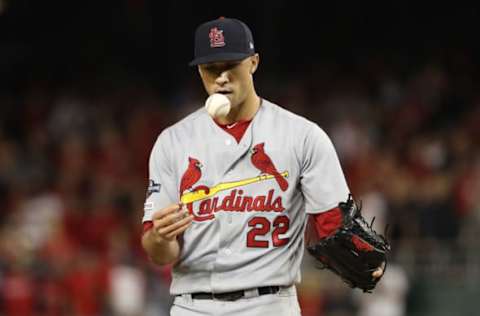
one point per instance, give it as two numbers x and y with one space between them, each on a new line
224 92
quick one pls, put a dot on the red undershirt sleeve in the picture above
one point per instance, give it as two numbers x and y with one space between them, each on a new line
147 226
327 223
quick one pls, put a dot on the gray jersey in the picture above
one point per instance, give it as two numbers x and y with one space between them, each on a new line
249 199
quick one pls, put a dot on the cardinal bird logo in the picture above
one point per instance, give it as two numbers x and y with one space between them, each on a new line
262 162
191 175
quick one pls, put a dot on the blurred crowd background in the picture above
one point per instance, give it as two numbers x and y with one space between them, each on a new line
86 88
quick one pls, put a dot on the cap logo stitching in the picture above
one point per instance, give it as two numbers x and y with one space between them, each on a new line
216 37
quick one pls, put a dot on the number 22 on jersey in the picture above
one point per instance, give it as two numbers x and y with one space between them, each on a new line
261 227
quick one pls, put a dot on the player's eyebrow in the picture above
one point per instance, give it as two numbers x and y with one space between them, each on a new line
221 66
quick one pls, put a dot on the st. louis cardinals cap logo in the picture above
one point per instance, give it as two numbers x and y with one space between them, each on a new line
216 37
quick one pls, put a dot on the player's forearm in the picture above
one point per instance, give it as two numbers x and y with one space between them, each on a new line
160 252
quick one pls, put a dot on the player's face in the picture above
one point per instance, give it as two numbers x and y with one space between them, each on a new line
233 78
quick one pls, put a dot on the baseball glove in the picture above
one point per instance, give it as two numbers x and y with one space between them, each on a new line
354 250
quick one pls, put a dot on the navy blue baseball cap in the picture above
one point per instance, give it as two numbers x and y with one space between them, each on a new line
222 39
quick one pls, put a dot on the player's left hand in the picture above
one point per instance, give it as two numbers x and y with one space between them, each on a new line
379 272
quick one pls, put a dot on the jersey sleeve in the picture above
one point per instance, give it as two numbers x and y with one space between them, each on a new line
322 180
161 185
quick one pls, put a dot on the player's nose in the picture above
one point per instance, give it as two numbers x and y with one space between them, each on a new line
222 78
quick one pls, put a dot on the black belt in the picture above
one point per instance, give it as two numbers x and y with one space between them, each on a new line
235 295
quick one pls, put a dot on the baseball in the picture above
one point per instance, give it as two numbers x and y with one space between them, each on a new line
217 105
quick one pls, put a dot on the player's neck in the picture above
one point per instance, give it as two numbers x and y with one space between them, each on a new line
244 111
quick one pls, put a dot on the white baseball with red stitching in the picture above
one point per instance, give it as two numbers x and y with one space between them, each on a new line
218 105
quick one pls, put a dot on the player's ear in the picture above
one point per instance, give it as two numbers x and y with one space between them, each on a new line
255 59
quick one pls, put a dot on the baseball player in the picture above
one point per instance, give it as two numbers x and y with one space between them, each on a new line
229 196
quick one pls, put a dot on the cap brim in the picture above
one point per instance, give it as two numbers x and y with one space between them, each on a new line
218 57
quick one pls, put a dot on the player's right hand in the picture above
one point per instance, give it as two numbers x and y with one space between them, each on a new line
170 221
